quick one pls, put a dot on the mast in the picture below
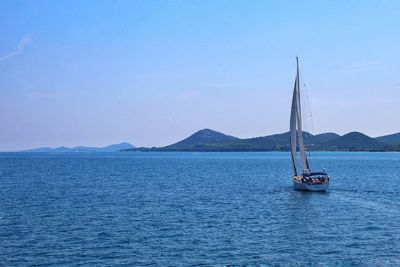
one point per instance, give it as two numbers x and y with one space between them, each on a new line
303 156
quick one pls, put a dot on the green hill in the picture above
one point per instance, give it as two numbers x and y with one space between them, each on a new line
355 141
393 139
205 139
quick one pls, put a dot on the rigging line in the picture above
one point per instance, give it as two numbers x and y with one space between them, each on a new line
307 113
308 122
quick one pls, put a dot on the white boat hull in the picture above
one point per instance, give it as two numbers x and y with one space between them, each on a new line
310 187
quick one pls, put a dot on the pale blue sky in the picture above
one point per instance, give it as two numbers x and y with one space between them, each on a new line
153 72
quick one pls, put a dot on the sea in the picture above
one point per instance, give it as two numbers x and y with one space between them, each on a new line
197 209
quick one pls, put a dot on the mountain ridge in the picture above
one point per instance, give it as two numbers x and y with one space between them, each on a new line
64 149
393 139
211 140
201 138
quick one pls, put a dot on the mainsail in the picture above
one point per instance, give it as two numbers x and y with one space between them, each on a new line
296 127
293 130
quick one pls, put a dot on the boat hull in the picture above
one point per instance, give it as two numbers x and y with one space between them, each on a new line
310 187
311 181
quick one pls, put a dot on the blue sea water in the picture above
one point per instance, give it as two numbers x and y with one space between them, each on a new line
190 209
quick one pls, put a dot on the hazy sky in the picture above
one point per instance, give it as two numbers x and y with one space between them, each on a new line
152 72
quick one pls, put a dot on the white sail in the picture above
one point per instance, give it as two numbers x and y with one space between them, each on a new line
293 130
296 127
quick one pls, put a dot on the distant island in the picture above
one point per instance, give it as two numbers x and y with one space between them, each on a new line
208 140
63 149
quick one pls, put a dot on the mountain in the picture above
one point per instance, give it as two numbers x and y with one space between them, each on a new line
210 140
393 139
63 149
115 147
324 137
201 139
276 142
355 141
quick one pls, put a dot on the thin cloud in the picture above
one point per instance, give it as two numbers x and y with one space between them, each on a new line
23 43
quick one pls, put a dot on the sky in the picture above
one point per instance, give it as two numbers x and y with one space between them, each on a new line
153 72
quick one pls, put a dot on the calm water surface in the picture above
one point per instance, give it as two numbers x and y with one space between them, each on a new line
184 209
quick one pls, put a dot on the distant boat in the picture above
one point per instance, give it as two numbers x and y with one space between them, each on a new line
306 179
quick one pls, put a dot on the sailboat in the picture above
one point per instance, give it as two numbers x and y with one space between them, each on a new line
306 179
